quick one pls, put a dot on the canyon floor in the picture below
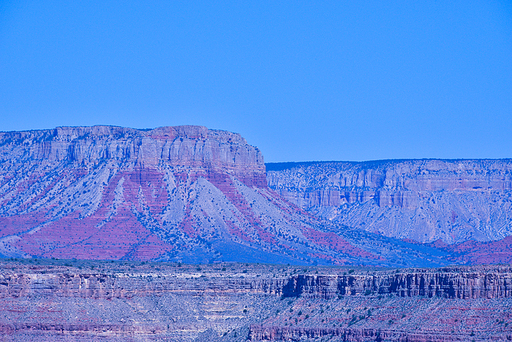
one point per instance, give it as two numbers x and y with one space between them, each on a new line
75 300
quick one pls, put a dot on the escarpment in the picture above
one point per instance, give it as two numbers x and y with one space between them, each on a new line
462 283
477 282
232 302
422 200
89 147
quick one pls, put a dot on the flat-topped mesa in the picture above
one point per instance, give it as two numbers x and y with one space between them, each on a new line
388 182
423 200
120 193
180 146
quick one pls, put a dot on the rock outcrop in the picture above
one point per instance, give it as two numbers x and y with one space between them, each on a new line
122 301
191 147
422 200
450 282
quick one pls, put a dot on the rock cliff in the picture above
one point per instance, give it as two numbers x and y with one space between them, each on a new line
193 147
81 301
462 283
422 200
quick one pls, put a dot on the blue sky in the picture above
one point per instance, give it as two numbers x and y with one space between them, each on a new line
302 80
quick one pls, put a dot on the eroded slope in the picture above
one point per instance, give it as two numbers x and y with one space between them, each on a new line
422 200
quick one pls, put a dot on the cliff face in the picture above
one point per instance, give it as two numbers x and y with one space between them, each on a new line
462 283
234 302
89 147
407 305
423 200
477 282
127 301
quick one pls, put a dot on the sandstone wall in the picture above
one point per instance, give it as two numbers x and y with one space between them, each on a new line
446 283
237 302
187 146
450 282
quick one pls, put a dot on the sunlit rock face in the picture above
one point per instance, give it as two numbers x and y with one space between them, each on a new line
181 193
130 149
423 200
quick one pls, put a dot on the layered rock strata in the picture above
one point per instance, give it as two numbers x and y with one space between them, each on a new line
462 283
237 302
422 200
89 147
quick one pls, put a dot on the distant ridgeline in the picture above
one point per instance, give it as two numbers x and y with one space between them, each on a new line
423 200
196 195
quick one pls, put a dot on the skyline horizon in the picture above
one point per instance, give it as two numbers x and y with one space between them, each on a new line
302 81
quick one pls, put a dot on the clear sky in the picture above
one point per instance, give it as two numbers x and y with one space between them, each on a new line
302 80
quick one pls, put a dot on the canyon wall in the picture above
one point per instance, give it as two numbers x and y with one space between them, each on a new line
237 302
88 147
462 283
477 282
422 200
